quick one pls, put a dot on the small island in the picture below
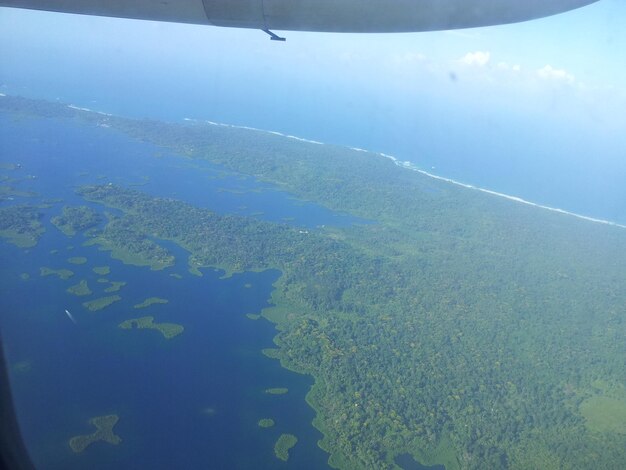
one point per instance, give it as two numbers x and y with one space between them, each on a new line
277 391
115 286
168 330
21 225
104 432
64 274
102 270
151 301
76 219
77 260
80 289
284 443
266 423
253 316
100 303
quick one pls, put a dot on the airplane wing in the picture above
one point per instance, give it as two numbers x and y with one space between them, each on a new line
354 16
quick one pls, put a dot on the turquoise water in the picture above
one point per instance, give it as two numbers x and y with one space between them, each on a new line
190 402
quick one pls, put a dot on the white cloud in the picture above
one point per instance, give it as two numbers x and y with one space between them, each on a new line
479 58
508 67
550 73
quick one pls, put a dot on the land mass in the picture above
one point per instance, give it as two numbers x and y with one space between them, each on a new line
74 219
100 303
283 445
458 327
104 432
21 225
168 330
151 301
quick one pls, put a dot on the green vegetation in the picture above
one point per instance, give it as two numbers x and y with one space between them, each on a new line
64 274
7 191
77 260
80 289
266 423
115 286
102 270
253 316
104 432
284 443
9 166
21 225
151 301
76 219
130 245
168 330
605 414
100 303
277 391
458 327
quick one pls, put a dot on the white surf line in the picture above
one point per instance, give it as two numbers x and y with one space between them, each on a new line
411 166
248 128
78 108
304 140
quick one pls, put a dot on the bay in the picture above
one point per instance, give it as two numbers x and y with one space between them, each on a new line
193 401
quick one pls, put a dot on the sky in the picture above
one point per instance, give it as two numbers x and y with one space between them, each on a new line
552 87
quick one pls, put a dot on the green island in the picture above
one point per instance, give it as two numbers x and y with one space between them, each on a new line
104 432
151 301
102 270
9 166
168 330
74 219
176 276
129 245
21 225
7 191
77 260
64 274
24 276
459 327
266 423
276 391
80 289
283 445
100 303
115 286
253 316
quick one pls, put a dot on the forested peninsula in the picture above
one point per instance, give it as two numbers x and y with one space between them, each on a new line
461 328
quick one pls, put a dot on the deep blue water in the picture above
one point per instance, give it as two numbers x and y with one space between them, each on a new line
191 402
407 462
